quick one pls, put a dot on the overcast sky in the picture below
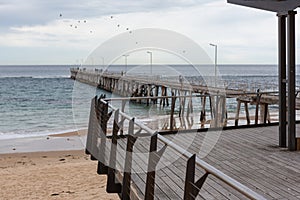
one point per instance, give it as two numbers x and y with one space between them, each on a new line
66 32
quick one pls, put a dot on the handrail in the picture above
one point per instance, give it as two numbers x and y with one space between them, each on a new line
152 97
191 96
204 165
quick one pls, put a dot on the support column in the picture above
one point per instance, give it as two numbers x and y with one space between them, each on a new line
282 78
291 82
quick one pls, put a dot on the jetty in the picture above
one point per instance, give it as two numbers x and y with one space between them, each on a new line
163 90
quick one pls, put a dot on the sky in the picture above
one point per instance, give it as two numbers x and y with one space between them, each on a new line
35 32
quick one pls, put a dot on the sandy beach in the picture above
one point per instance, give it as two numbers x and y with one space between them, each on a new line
64 174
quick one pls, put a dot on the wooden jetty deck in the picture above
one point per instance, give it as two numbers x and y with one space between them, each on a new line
250 156
244 162
159 90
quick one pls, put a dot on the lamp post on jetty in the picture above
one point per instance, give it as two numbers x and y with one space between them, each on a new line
216 53
125 56
150 53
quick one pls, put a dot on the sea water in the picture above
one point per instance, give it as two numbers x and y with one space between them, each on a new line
42 100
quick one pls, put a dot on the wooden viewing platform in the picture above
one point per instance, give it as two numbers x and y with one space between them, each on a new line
244 162
250 156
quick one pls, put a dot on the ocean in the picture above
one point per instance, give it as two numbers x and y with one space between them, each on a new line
42 100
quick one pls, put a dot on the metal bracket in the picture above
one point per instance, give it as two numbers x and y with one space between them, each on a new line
192 188
154 158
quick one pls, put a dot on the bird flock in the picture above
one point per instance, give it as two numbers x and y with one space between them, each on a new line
76 25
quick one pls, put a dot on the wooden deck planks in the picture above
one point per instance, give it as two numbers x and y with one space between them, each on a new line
250 156
241 154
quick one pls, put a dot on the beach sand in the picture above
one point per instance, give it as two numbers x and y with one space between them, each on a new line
48 174
51 175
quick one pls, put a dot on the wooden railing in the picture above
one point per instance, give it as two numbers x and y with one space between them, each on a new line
97 143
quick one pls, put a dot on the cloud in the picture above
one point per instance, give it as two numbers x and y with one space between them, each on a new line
30 12
243 35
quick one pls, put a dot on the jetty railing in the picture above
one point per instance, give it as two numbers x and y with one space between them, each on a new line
97 142
217 108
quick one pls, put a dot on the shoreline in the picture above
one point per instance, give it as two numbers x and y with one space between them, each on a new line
67 141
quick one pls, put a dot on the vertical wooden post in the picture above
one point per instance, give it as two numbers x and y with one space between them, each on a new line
128 162
217 116
172 111
282 78
247 112
236 121
223 114
265 113
102 168
292 141
112 186
190 105
257 106
150 181
122 118
183 103
91 128
212 110
203 114
262 113
166 94
156 93
163 100
154 157
148 94
180 102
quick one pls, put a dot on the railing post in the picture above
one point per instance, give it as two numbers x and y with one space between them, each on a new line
91 126
128 162
258 96
96 128
102 168
172 111
192 188
154 157
122 118
112 186
202 114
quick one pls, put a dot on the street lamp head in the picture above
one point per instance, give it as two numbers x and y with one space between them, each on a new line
214 45
149 52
